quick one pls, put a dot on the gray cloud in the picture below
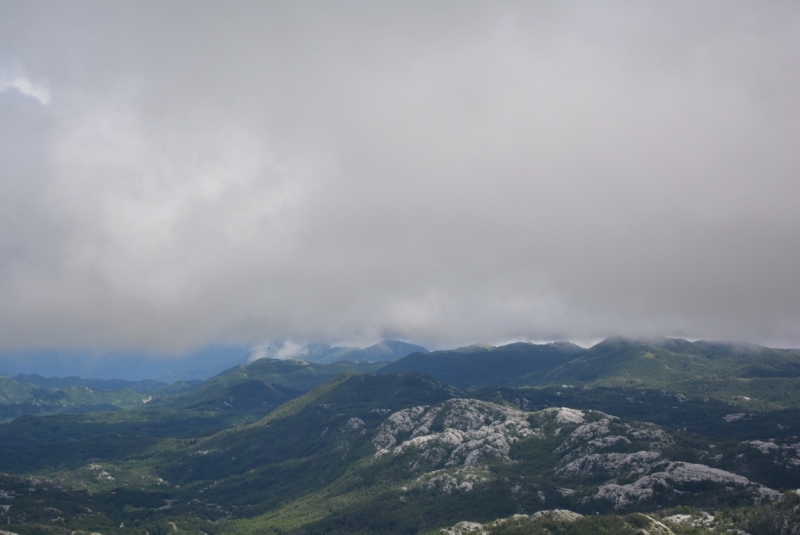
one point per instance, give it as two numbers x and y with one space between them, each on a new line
439 172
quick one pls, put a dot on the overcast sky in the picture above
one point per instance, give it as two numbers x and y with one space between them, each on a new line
175 174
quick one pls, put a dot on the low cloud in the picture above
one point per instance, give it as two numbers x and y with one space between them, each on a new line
284 349
25 87
439 173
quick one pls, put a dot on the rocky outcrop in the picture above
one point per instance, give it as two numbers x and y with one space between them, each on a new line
542 522
601 447
703 520
561 516
637 463
784 453
465 527
447 481
600 456
675 474
458 432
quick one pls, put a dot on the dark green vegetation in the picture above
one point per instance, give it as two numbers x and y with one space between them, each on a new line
256 389
18 399
749 375
292 447
710 417
101 385
474 366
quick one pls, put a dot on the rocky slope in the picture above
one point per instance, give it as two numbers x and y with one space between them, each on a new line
402 453
598 457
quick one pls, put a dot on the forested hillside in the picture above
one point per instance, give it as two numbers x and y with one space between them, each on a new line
292 447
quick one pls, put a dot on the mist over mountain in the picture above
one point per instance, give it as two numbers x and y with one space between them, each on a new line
208 210
384 351
436 172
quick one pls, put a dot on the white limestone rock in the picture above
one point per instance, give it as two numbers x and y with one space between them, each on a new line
447 481
561 515
465 527
616 464
590 449
703 520
766 448
558 515
734 417
353 425
569 416
785 454
678 472
471 430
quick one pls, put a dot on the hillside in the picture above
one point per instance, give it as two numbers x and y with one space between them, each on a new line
384 351
19 399
391 453
749 375
101 385
256 388
292 374
476 366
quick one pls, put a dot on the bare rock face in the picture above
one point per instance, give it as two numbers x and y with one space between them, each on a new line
448 480
784 453
639 463
457 432
453 445
567 416
604 446
562 516
703 520
465 527
353 425
677 473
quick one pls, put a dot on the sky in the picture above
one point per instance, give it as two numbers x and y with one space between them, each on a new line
175 174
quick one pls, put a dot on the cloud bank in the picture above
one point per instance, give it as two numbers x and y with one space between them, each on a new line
178 174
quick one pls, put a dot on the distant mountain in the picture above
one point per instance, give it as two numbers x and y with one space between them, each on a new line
385 351
200 363
24 398
291 373
479 365
734 372
196 373
101 385
741 373
242 393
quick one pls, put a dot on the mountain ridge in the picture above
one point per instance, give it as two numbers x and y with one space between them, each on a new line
714 368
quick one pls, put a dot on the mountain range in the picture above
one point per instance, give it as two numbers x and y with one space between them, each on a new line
384 351
628 436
